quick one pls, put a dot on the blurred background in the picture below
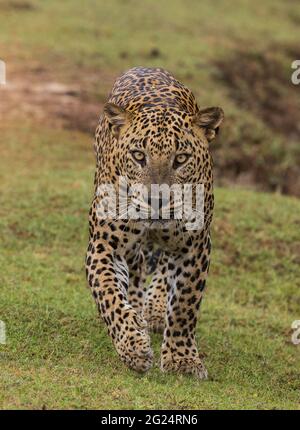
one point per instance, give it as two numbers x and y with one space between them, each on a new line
62 58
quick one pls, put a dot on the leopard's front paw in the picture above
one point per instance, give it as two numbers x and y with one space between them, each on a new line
133 344
135 351
193 366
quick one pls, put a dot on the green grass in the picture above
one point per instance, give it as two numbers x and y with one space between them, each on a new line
97 32
58 354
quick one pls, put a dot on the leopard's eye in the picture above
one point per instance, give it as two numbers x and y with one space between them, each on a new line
180 159
139 156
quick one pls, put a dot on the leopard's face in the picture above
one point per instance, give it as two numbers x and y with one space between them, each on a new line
160 146
168 151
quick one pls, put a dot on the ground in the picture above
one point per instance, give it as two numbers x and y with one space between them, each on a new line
58 354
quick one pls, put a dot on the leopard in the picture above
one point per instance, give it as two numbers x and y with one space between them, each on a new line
149 275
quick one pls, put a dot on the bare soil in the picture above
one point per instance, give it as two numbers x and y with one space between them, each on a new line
37 94
261 150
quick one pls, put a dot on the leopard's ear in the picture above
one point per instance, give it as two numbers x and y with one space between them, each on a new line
210 120
117 117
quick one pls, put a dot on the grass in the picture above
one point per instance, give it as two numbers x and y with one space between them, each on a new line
58 354
97 32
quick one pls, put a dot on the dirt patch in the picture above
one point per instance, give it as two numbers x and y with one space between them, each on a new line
37 94
248 154
154 53
261 82
259 145
17 5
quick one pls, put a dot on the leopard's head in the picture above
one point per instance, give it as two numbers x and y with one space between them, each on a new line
163 146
